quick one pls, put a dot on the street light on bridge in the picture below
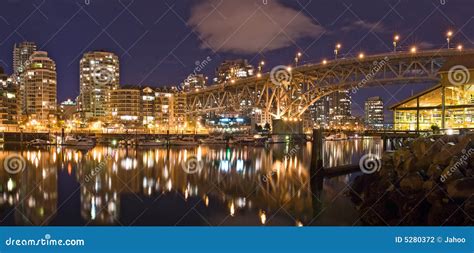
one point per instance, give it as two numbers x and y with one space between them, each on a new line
396 38
449 34
361 56
460 47
337 49
297 58
413 49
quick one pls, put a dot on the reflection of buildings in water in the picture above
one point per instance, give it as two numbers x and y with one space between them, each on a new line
245 179
338 153
32 193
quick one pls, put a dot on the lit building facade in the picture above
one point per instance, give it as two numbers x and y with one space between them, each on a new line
159 109
233 70
8 102
39 82
99 74
67 110
194 82
333 110
21 56
374 111
125 105
448 105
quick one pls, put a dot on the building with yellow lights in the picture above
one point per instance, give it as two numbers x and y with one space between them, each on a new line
448 105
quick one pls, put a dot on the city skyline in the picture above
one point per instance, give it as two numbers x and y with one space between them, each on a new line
138 69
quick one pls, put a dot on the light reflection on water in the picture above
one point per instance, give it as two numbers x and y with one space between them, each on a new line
237 186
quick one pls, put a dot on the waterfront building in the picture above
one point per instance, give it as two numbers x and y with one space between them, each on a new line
8 102
39 82
99 73
233 70
374 113
67 110
448 105
125 105
160 109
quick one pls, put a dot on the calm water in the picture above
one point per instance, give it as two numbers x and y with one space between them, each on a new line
236 186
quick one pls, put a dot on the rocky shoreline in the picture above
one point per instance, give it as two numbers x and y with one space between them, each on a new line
428 181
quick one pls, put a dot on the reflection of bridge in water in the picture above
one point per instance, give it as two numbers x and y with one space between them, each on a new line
245 180
289 93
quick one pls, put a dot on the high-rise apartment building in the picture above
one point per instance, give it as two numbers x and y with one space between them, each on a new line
39 82
374 112
99 73
21 55
333 110
8 102
233 70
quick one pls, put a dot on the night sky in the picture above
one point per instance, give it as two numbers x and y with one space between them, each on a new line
159 41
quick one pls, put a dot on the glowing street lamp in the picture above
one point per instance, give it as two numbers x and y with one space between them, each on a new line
460 47
260 66
337 49
449 35
325 62
361 56
395 41
413 50
297 58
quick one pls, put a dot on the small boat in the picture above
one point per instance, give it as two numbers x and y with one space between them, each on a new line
245 140
79 141
336 137
216 140
39 142
186 141
151 143
279 139
355 137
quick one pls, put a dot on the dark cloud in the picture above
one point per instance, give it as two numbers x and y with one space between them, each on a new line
250 26
365 25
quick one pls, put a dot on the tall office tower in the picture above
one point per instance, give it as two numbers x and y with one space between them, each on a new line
339 104
333 110
21 54
99 74
374 112
39 81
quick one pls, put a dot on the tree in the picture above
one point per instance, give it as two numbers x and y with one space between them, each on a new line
267 127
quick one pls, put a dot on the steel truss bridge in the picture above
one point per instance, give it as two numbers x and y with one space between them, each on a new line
288 93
